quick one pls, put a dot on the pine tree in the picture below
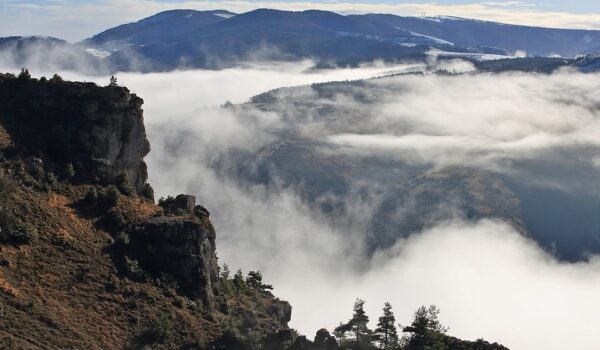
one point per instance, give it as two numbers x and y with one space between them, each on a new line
426 329
225 272
359 323
254 280
357 326
386 333
238 280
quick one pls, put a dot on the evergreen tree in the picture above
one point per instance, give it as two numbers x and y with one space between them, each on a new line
225 272
357 326
254 280
426 330
24 74
386 333
238 280
226 284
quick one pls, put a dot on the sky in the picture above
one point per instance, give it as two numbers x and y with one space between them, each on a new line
74 20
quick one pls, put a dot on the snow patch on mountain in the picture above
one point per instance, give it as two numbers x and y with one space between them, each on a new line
224 14
97 52
432 38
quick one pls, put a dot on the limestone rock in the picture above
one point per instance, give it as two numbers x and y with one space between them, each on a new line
182 247
99 130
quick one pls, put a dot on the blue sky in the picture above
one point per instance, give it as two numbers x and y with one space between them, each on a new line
574 6
75 20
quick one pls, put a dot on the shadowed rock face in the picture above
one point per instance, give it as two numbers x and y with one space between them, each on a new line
181 247
100 130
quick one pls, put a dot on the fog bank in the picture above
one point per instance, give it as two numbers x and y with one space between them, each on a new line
488 280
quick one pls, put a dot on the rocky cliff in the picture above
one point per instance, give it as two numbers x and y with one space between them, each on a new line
183 247
98 130
87 260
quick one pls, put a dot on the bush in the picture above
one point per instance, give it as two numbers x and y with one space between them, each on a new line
114 220
24 74
160 331
36 169
148 192
122 239
69 171
124 185
16 234
91 198
108 198
56 79
133 269
51 179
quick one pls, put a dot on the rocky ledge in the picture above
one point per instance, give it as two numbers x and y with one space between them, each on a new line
97 131
182 247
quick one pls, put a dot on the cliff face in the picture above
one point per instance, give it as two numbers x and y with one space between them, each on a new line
87 260
99 130
181 247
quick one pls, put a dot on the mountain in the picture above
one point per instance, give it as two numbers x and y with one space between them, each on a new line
588 63
180 39
158 28
534 41
257 35
216 39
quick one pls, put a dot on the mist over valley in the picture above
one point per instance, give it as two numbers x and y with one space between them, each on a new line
334 159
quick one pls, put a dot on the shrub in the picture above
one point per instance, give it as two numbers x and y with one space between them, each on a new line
69 171
56 79
114 220
16 234
148 192
133 269
24 74
36 169
166 203
108 198
160 331
122 239
51 179
124 185
91 198
7 186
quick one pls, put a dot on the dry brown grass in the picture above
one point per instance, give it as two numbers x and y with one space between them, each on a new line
54 292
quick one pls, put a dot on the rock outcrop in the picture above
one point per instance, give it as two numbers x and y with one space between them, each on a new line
98 130
182 247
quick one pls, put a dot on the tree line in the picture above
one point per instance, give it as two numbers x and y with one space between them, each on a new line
425 331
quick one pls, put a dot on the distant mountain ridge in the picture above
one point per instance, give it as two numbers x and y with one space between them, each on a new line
182 39
210 39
